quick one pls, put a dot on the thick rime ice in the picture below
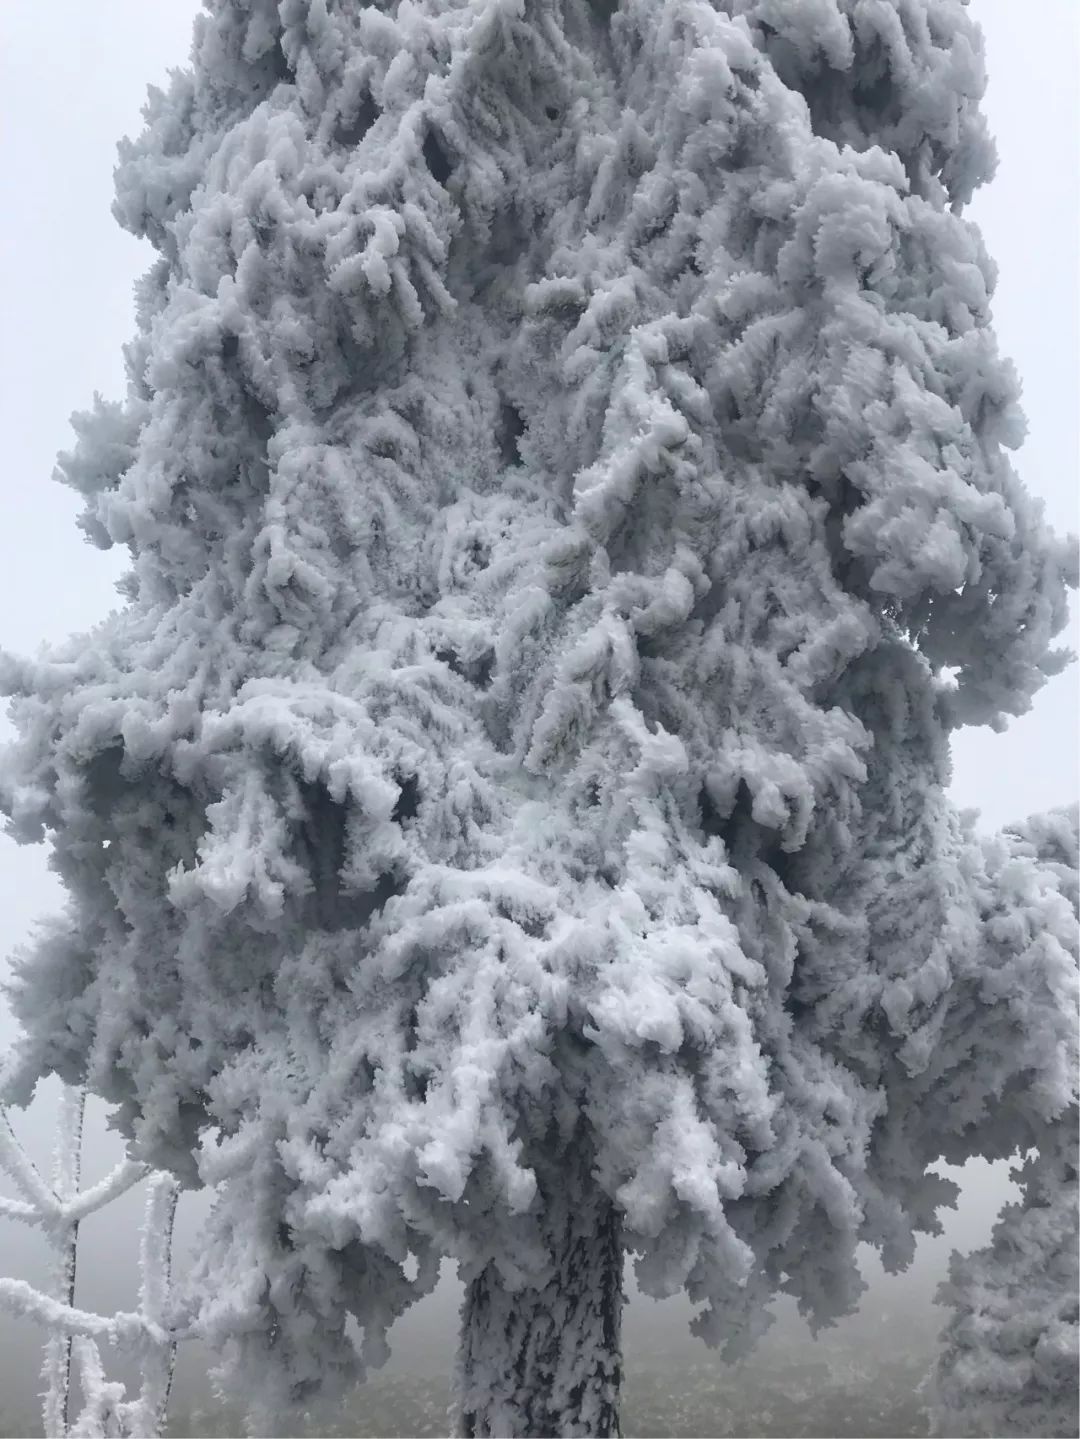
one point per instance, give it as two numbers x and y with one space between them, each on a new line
563 457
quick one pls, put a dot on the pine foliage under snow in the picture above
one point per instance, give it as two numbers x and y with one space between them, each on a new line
564 473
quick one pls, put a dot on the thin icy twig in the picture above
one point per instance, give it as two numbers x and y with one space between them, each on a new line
18 1209
23 1301
67 1156
155 1263
102 1411
23 1172
64 1237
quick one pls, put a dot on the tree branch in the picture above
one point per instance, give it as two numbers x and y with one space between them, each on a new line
24 1172
23 1301
125 1176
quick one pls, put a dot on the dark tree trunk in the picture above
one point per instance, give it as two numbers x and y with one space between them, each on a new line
547 1361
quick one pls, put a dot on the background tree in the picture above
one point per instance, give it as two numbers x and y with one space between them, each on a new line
1009 1357
1011 1349
563 473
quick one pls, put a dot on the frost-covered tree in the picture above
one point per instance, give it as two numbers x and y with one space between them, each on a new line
74 1334
1010 1360
564 473
1011 1355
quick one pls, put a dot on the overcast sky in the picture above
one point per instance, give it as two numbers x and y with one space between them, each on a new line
72 80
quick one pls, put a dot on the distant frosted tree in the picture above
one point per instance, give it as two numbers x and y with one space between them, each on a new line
563 473
1010 1359
1011 1353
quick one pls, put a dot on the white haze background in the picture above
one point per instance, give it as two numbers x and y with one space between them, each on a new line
72 80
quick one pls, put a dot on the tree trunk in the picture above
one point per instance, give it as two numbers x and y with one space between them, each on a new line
547 1361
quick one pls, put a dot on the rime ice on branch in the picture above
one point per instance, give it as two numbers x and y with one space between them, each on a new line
77 1334
563 453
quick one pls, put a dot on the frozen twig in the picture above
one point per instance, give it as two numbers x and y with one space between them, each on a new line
125 1176
23 1172
18 1209
151 1332
64 1237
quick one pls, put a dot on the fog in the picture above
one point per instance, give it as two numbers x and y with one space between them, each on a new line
73 79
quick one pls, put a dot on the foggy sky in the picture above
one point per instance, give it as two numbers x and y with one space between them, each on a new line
72 80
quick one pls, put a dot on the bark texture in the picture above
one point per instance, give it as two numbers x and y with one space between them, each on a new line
547 1360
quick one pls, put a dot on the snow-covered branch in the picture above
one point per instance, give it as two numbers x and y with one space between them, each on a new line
23 1172
74 1334
125 1176
24 1301
102 1413
19 1209
64 1241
